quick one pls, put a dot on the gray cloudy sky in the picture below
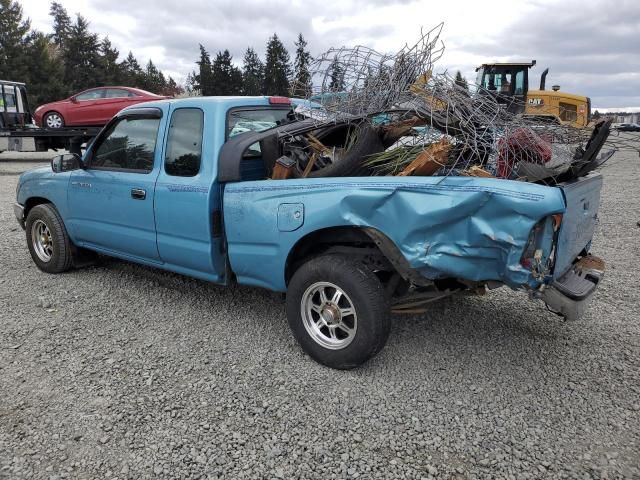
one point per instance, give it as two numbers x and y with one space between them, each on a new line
591 46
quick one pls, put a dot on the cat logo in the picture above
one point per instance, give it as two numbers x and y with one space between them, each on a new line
536 102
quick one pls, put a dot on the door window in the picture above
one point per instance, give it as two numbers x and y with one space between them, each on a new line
91 95
10 99
118 93
519 89
129 145
184 143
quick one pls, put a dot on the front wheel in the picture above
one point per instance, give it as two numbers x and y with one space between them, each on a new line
53 121
47 239
338 311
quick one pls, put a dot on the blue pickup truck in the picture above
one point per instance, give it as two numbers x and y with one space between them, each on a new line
169 185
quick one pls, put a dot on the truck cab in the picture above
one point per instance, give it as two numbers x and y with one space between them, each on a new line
187 186
14 105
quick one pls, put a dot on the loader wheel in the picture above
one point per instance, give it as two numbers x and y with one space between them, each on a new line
338 311
47 239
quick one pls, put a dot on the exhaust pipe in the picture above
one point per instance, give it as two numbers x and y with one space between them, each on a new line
543 78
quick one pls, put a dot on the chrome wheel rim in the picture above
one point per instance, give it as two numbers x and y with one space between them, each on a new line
54 120
42 240
328 315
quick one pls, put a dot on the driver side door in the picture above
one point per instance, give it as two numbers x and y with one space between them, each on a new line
111 199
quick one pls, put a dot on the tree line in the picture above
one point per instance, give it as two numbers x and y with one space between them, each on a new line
276 75
72 58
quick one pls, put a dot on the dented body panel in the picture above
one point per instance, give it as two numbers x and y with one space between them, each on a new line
446 227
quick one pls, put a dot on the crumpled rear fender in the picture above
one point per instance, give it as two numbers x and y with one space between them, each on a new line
445 227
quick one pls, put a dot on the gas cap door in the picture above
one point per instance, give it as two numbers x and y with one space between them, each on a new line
290 216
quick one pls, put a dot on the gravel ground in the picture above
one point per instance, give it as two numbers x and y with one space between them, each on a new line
119 371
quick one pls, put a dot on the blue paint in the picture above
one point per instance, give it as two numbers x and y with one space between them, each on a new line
462 227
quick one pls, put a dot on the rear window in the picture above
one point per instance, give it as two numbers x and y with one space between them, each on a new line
256 119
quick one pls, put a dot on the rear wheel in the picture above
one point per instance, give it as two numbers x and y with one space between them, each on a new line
47 239
338 311
53 121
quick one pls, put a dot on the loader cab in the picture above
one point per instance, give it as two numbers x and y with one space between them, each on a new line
14 106
508 82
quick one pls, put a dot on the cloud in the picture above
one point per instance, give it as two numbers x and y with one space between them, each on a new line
590 46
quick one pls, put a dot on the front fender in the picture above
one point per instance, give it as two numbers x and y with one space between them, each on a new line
445 227
43 183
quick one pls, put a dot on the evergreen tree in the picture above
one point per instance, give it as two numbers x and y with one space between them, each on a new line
110 70
14 38
82 56
252 73
46 71
337 77
192 85
61 24
204 78
461 81
277 70
152 79
172 89
131 71
302 84
226 78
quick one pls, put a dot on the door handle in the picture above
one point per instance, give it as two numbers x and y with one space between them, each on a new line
138 194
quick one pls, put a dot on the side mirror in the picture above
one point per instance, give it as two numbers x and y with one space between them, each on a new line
74 100
66 163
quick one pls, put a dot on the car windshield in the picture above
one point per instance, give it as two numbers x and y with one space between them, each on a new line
255 119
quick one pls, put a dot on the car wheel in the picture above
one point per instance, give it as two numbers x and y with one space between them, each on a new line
53 121
338 311
47 239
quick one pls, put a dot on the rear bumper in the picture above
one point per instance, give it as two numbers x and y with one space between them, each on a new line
18 211
570 294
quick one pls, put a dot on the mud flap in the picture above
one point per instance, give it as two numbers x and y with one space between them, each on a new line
570 295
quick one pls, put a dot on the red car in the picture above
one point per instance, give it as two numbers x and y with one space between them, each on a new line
93 107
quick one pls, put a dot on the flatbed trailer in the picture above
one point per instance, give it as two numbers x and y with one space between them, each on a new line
40 139
18 132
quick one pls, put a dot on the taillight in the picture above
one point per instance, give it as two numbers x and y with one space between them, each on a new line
539 253
279 101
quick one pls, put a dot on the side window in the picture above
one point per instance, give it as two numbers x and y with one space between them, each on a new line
184 143
116 93
129 145
519 90
91 95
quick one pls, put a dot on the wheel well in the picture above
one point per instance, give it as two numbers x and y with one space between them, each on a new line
32 202
44 115
346 240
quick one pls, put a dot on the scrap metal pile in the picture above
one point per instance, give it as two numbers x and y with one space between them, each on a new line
379 114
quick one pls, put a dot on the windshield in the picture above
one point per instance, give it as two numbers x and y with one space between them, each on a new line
255 119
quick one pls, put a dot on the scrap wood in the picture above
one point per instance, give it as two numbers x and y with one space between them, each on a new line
316 144
429 161
476 171
310 164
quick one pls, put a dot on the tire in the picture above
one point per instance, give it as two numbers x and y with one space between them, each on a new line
357 337
367 143
47 239
53 121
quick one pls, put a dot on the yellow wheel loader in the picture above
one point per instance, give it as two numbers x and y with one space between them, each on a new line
509 83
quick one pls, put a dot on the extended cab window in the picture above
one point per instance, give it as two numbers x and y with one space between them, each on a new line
129 145
184 143
256 119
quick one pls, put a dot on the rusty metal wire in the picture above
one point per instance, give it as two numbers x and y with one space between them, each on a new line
483 134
